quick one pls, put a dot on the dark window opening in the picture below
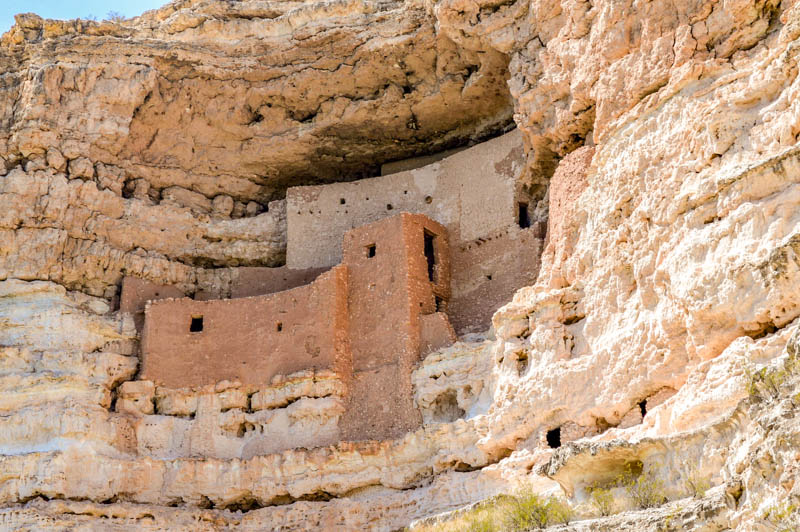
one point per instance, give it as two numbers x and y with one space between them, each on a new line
342 201
279 327
430 254
524 218
643 407
370 251
440 307
554 438
197 324
489 277
428 199
389 207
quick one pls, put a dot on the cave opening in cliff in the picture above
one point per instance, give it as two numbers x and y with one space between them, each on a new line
197 324
554 438
643 407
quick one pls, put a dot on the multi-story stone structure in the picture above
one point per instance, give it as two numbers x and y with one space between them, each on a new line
368 320
366 292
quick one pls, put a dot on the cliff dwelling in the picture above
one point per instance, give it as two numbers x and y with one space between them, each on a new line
379 265
427 278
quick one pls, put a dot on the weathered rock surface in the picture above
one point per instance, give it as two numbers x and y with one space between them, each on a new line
664 154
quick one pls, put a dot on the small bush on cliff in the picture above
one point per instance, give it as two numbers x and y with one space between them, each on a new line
696 484
528 510
114 16
524 511
602 499
783 517
644 487
486 516
767 381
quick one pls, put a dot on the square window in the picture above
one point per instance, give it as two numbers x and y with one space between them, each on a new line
370 251
197 324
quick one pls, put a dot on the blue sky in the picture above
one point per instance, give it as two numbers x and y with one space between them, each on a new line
67 9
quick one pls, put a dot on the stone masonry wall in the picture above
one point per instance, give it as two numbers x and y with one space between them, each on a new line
388 293
452 192
249 340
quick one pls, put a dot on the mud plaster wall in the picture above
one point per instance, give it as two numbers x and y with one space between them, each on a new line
362 318
249 340
436 332
566 185
413 163
451 192
388 294
137 292
487 272
250 281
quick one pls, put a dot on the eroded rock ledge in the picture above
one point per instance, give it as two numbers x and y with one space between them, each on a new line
155 147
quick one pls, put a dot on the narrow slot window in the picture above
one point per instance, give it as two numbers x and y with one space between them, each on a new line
523 217
370 251
430 255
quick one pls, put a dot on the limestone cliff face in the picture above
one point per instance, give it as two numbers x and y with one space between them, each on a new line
663 150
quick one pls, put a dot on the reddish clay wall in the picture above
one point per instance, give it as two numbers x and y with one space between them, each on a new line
248 282
435 332
487 273
250 339
567 184
137 292
388 293
367 319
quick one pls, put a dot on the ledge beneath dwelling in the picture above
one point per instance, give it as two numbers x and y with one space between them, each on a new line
231 420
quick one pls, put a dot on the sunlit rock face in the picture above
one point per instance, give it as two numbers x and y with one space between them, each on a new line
662 330
245 98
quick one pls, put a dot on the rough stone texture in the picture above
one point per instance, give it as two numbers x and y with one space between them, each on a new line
249 340
336 323
494 256
674 267
206 99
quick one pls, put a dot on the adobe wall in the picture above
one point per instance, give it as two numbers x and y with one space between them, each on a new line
487 272
137 292
388 293
253 281
452 192
483 229
567 184
413 163
249 340
436 332
242 282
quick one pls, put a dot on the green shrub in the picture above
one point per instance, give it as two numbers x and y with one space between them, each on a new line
602 499
524 511
528 510
768 380
696 484
783 517
644 487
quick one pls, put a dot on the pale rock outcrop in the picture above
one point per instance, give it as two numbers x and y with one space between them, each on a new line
664 151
